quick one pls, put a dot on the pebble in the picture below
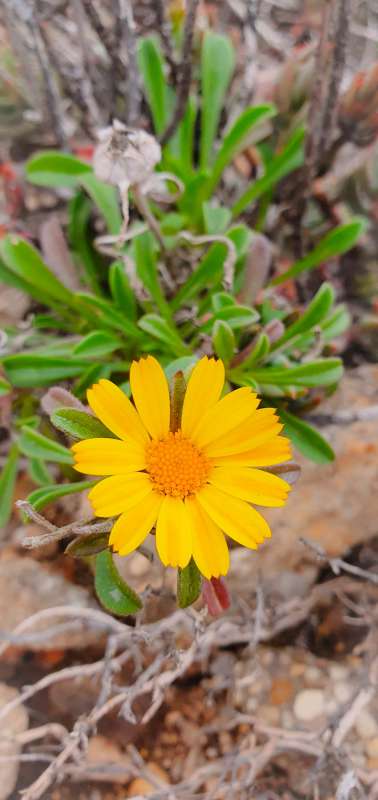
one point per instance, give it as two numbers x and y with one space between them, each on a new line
309 704
297 670
313 674
365 725
269 714
342 691
338 673
139 565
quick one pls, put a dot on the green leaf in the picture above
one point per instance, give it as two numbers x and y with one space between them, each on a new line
160 329
36 445
333 244
38 472
7 481
105 198
97 344
79 424
186 135
25 262
41 498
223 340
216 218
152 67
236 316
112 591
323 372
88 545
34 370
107 315
121 290
79 212
217 66
189 581
306 439
235 139
147 270
313 315
338 322
290 158
5 387
259 351
56 169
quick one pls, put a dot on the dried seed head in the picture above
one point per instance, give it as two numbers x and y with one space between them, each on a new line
125 156
358 111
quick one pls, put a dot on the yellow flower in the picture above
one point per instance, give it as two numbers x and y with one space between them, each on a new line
194 484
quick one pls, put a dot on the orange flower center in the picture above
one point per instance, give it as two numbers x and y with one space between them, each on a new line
176 466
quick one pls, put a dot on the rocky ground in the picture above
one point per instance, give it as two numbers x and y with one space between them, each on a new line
294 699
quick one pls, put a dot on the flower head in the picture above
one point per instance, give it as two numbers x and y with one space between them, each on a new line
196 481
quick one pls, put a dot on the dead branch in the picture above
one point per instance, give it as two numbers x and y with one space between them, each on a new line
128 42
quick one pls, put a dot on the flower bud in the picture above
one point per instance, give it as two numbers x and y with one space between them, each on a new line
216 596
125 156
358 110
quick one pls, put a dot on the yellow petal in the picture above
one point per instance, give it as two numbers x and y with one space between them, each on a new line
235 517
118 493
115 410
204 389
257 429
151 395
108 456
227 413
275 451
252 485
173 536
210 550
135 524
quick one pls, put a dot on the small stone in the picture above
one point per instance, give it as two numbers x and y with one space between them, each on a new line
313 674
342 691
139 565
338 673
372 763
281 691
371 747
309 704
365 725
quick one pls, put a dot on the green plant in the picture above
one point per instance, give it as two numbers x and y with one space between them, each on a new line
153 291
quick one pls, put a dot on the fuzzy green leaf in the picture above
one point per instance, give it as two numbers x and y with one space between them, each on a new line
7 481
88 545
160 329
306 439
79 424
189 581
56 169
223 340
36 445
97 344
26 370
48 494
281 165
333 244
235 138
217 66
112 591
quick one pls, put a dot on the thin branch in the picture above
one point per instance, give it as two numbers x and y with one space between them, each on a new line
52 94
185 71
128 34
164 29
